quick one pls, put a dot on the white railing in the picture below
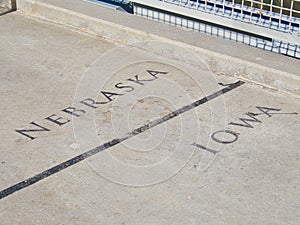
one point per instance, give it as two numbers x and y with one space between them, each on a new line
277 21
275 14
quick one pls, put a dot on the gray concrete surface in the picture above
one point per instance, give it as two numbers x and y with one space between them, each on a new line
161 175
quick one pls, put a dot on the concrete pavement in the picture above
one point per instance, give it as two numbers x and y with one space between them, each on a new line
180 143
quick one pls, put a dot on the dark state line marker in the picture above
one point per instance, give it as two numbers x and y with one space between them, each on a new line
23 184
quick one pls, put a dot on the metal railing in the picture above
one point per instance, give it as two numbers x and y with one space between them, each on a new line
274 14
272 25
